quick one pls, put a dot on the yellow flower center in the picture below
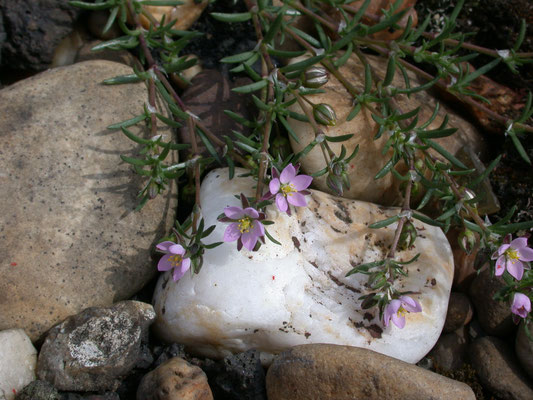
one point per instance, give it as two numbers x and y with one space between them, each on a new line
245 224
175 260
401 312
288 189
512 254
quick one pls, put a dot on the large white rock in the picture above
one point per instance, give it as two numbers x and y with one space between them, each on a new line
18 359
297 293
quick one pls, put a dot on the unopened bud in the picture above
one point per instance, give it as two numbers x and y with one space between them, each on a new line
419 164
324 114
153 190
338 169
467 240
334 182
315 77
408 236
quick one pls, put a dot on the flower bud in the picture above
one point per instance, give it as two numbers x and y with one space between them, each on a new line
408 236
153 190
334 182
467 240
315 77
324 114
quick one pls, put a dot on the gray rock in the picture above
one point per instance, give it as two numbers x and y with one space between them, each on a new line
175 379
69 238
93 350
32 31
524 349
494 316
39 390
498 369
325 371
237 377
450 351
460 312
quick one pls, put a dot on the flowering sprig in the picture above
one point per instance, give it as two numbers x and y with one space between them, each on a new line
521 306
512 256
289 188
247 225
174 258
398 308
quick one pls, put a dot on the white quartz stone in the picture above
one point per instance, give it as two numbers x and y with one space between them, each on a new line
297 293
18 358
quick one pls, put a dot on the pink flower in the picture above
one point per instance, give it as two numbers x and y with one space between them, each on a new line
173 258
397 309
246 228
511 256
289 188
521 305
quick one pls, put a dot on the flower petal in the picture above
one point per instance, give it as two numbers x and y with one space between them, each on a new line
234 212
178 274
500 266
390 310
274 185
515 268
251 212
525 254
410 304
301 182
258 229
502 248
521 305
177 249
249 239
518 243
297 199
163 246
185 264
281 202
398 321
288 173
164 264
232 232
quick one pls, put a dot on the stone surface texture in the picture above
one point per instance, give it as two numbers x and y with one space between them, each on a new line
322 371
32 31
297 293
208 96
239 376
498 369
39 390
185 14
175 379
450 352
94 349
524 349
69 236
494 316
18 359
369 159
460 312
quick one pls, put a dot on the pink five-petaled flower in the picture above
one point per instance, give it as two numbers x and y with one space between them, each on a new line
289 188
173 258
521 305
246 227
511 256
397 309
